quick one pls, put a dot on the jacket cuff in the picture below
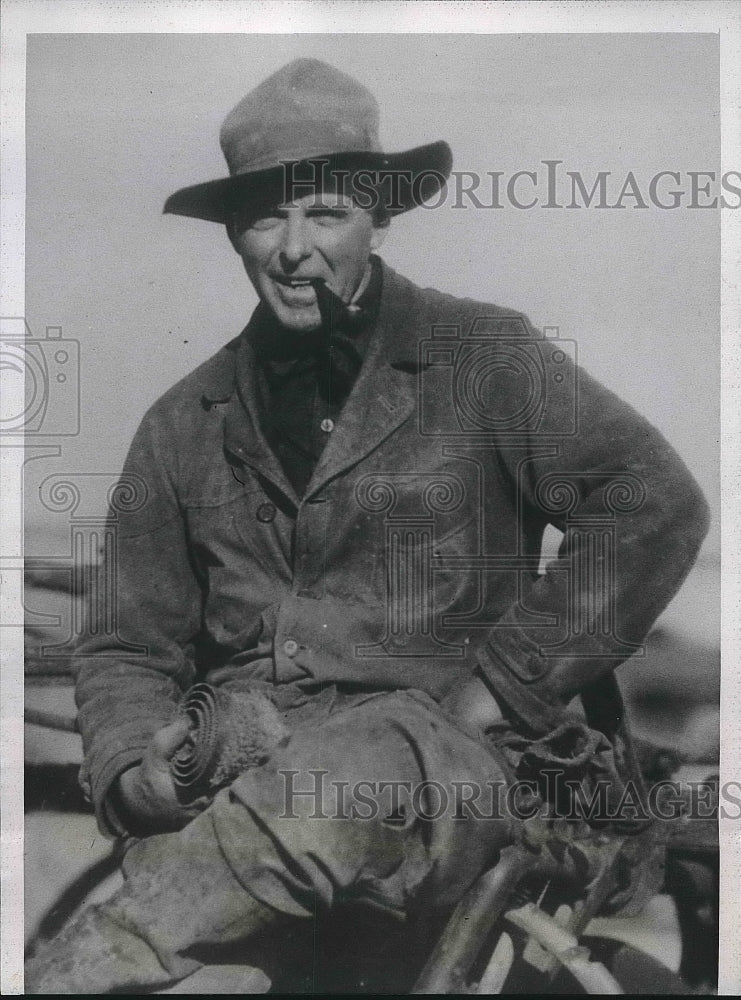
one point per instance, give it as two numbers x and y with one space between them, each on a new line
109 822
517 699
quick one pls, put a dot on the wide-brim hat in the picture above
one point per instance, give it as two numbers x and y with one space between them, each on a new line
305 120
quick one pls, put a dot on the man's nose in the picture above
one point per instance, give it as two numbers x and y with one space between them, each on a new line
296 245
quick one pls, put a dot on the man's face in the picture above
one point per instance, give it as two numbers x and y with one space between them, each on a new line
322 236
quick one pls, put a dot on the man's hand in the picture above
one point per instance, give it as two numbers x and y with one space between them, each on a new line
147 792
473 706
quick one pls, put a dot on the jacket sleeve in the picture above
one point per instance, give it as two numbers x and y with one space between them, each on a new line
633 520
132 670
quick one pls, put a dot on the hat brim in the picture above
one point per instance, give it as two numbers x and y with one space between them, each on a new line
427 168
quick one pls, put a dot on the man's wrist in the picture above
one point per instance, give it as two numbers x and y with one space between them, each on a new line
521 702
124 785
137 811
474 705
121 803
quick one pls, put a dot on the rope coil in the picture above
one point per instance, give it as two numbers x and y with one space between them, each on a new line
230 732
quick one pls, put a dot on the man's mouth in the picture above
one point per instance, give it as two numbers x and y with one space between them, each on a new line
297 282
296 291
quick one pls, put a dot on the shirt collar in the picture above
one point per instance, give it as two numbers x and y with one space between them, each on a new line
220 382
278 350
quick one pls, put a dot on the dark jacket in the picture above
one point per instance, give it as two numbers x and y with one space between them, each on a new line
413 557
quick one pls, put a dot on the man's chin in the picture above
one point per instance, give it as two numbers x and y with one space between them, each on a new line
296 325
298 320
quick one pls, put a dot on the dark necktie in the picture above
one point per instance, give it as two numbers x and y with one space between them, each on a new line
332 350
307 377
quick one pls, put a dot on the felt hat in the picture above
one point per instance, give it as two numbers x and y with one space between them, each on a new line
309 113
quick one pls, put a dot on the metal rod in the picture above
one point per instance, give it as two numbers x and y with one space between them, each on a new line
563 945
50 720
472 920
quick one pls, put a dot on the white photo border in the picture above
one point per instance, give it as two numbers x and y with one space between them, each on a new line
23 17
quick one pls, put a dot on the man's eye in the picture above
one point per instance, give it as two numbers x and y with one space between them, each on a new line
329 216
264 222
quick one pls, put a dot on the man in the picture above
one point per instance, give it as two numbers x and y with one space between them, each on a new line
339 521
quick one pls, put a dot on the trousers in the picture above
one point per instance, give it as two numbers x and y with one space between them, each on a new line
364 805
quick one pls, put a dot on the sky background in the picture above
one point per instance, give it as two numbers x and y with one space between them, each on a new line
115 123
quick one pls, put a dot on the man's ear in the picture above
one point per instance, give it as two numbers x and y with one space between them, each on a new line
231 233
379 235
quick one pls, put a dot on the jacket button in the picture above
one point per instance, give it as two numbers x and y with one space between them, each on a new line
265 513
327 425
290 648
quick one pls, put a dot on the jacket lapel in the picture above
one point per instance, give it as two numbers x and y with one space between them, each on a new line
382 399
243 435
384 396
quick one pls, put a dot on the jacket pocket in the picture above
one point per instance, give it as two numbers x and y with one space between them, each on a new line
425 571
241 549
